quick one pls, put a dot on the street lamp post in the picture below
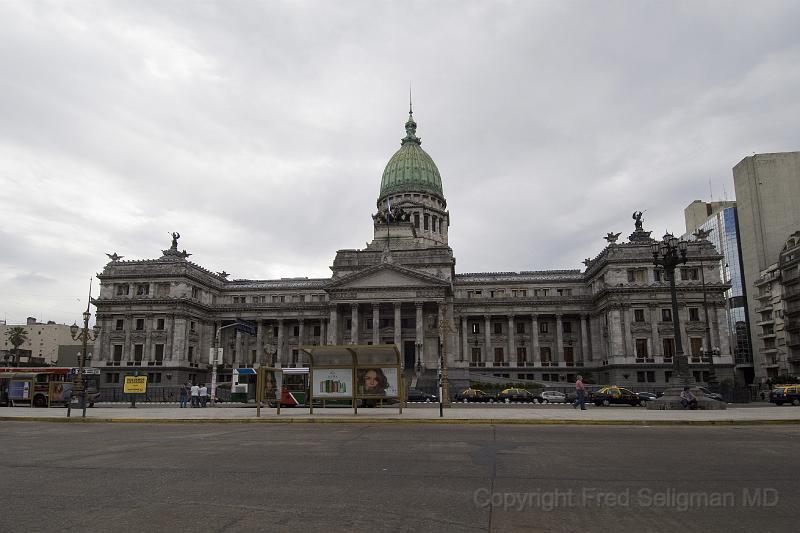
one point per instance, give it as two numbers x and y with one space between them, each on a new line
214 360
669 253
84 335
444 390
709 351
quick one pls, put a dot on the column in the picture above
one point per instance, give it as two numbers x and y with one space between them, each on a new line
419 336
353 323
658 347
239 355
464 340
512 345
559 355
280 357
585 355
398 329
376 323
323 332
148 347
333 326
259 341
301 340
536 358
169 326
615 341
626 331
487 338
127 354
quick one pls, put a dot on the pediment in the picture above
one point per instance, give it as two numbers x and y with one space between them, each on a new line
385 276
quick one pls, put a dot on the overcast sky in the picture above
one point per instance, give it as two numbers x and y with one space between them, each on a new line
260 130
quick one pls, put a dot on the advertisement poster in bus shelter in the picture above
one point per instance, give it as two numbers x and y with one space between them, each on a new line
58 391
19 390
377 382
332 382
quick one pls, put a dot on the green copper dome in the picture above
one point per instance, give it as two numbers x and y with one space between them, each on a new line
411 168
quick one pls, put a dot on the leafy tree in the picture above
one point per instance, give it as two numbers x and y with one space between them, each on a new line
17 336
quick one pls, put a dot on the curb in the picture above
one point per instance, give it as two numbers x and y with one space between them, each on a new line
443 421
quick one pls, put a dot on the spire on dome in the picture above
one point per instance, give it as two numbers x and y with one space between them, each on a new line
411 126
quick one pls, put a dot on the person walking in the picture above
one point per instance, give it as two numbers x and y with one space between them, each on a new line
203 394
580 394
184 394
195 392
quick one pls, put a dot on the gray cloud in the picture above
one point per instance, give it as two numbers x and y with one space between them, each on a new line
260 130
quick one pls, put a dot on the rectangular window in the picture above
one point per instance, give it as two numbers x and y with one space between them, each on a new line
112 377
651 376
658 274
153 377
295 331
139 324
160 324
192 326
522 355
542 327
138 352
143 289
520 327
696 346
694 314
159 352
119 324
426 221
385 323
275 332
667 375
368 324
669 347
433 224
564 292
641 376
545 354
317 331
566 327
498 328
641 348
666 315
569 355
540 292
117 353
123 290
476 355
637 275
638 315
349 323
416 220
191 354
195 292
690 274
498 355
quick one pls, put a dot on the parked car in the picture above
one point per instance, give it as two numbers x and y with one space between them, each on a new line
416 395
712 395
474 395
515 394
551 396
647 396
614 395
785 394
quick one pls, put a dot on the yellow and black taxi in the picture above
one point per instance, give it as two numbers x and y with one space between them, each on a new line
614 395
785 394
515 394
474 395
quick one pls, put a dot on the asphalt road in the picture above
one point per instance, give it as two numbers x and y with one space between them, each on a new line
396 477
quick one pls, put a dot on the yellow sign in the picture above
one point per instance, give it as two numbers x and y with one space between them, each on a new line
135 385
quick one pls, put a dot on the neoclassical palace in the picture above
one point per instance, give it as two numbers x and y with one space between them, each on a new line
613 320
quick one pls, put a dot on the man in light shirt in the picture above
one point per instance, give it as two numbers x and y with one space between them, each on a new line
203 395
195 392
580 394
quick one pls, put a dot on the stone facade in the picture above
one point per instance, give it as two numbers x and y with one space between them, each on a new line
609 321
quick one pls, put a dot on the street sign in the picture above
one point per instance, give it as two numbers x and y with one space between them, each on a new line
135 385
215 360
246 327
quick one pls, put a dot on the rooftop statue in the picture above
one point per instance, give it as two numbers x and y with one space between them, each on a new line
611 237
637 216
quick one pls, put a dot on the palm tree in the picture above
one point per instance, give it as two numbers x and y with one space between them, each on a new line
17 336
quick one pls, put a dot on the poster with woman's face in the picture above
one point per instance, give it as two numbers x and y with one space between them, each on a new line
377 382
332 383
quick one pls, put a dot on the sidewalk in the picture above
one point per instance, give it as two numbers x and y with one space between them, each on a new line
458 414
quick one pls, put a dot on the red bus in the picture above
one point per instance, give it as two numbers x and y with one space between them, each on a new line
44 386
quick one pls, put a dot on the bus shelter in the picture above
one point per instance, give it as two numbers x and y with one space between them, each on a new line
370 374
